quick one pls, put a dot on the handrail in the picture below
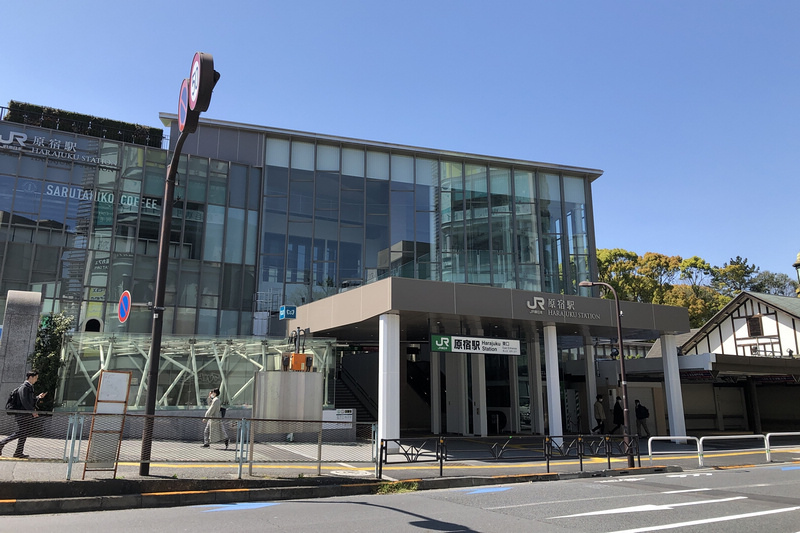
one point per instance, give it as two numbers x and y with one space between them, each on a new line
672 438
727 437
358 391
770 435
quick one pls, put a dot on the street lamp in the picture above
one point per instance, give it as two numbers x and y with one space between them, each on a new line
796 266
626 435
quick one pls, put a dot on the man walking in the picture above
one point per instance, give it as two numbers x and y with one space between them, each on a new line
642 414
599 415
24 421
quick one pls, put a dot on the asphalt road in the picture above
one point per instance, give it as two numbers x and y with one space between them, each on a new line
762 498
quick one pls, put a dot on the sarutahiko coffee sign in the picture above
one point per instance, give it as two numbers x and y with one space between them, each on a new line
40 145
455 344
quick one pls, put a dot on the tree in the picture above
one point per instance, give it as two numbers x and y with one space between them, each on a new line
696 271
657 272
702 302
772 283
732 278
46 357
617 267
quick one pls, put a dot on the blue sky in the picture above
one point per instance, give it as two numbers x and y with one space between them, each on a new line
691 108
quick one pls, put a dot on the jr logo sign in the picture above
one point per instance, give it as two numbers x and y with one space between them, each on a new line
537 306
442 344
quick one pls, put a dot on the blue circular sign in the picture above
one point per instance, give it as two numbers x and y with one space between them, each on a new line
124 309
183 104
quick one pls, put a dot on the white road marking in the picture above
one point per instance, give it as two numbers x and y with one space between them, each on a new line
622 479
650 507
707 521
689 475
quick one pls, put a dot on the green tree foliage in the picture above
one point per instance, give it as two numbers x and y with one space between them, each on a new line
696 271
702 302
652 278
732 278
771 283
46 357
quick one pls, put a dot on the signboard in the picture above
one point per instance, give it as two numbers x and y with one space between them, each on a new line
454 344
288 311
124 309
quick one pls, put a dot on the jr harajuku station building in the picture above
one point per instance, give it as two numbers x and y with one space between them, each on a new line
437 289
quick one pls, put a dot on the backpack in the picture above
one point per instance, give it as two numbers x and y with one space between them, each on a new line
13 403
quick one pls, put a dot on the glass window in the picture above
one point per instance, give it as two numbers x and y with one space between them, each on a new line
327 157
301 199
402 172
277 152
8 163
189 282
207 320
377 202
302 155
215 225
327 191
254 189
234 235
132 162
377 241
232 286
6 193
184 322
353 162
277 181
524 186
298 253
402 216
377 165
352 207
209 286
252 238
238 186
31 166
351 245
217 182
58 171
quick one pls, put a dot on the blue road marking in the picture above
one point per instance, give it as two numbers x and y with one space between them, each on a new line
236 506
490 489
791 468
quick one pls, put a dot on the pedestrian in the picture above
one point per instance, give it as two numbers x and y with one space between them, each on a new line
215 429
642 414
618 415
599 415
27 401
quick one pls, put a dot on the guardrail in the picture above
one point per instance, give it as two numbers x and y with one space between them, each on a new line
701 450
547 448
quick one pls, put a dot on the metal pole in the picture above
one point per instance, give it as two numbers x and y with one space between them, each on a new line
158 306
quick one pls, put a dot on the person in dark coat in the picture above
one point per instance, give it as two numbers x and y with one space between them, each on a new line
24 420
619 415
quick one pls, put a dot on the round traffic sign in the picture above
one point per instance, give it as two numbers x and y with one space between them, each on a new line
124 309
194 81
183 104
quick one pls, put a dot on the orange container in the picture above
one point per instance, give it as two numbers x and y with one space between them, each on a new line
298 362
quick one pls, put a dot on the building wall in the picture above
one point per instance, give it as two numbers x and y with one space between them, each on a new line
289 218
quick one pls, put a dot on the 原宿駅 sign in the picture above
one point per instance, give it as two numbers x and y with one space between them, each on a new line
454 344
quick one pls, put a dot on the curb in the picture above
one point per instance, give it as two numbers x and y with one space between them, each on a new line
143 494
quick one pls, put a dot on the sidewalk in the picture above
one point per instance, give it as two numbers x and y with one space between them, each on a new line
34 486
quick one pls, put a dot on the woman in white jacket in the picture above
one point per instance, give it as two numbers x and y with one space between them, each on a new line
215 429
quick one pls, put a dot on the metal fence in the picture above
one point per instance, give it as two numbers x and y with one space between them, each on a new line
80 438
509 448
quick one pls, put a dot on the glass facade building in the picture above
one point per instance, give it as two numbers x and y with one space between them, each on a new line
266 217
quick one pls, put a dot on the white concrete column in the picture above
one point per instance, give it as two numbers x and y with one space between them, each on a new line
436 392
479 421
389 377
455 370
553 386
537 391
672 385
591 387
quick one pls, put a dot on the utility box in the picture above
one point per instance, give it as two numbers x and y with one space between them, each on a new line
299 362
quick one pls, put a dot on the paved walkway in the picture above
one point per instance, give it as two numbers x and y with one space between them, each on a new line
41 486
